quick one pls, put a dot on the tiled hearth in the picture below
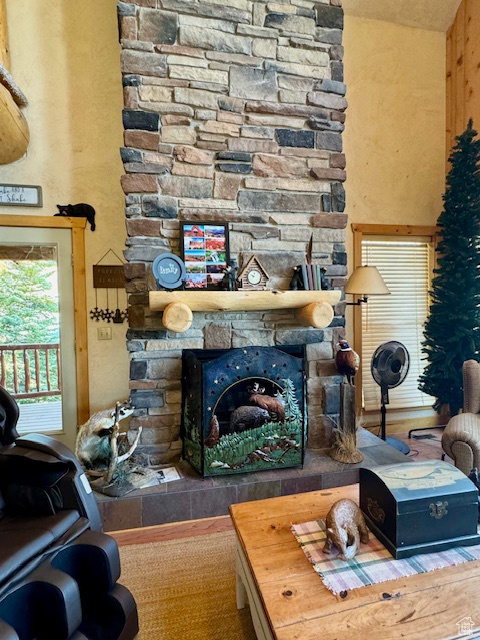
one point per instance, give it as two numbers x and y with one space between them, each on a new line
194 497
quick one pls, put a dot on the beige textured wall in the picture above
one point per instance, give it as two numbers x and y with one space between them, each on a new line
395 129
65 57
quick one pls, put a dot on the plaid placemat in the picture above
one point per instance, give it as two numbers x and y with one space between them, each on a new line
372 563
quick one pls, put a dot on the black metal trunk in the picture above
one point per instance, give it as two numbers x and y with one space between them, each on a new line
419 507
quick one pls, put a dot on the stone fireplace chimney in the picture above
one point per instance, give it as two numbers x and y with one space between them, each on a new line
234 112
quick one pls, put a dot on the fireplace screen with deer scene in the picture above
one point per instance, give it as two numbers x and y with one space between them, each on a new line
243 409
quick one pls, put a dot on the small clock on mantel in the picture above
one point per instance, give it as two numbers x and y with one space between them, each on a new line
253 276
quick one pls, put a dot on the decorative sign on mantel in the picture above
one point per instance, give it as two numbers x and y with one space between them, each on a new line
20 195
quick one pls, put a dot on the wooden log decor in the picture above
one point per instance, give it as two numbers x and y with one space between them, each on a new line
177 317
314 308
4 48
14 133
315 314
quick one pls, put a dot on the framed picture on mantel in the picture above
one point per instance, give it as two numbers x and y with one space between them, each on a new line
205 252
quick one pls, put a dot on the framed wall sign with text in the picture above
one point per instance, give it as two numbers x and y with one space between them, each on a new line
20 195
205 252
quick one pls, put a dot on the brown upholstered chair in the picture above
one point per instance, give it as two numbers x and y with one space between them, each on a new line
461 438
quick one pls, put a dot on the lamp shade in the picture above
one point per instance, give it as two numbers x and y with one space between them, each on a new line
366 281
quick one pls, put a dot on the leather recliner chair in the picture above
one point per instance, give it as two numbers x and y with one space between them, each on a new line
461 437
58 571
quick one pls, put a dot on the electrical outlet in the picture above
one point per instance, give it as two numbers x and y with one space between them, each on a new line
104 333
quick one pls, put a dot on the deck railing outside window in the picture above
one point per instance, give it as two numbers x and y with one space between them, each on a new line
30 370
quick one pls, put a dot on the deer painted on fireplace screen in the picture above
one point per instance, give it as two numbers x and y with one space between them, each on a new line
269 403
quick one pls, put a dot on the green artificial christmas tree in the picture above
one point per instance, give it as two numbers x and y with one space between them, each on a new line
452 331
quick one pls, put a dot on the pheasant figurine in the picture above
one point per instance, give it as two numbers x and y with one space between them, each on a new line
347 360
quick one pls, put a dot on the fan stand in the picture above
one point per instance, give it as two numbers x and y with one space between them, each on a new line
393 442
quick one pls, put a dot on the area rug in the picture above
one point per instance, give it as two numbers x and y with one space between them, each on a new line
185 589
372 563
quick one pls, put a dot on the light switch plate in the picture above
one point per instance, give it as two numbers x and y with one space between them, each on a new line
104 333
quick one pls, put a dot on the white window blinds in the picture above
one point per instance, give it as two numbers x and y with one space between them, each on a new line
405 267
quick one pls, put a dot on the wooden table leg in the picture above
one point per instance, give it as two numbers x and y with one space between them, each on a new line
248 593
241 592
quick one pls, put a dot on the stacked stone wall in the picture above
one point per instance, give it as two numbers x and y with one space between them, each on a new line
234 112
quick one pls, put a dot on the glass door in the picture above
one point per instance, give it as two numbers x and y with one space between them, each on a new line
37 329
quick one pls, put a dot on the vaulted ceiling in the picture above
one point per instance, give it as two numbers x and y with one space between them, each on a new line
436 15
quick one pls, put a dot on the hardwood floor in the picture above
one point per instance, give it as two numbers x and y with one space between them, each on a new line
172 531
425 445
421 448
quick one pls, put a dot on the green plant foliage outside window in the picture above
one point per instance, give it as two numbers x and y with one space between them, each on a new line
29 315
29 310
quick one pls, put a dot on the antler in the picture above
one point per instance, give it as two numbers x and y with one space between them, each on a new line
127 455
115 459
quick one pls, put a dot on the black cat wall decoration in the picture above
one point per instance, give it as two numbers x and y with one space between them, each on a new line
80 210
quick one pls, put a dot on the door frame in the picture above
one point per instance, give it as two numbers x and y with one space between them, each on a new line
77 226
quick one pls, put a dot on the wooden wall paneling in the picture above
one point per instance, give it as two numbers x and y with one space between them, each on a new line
453 72
460 122
472 61
454 78
463 72
449 97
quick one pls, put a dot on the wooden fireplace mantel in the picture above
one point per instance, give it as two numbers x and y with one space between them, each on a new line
313 308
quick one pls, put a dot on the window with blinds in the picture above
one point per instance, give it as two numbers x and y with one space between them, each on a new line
405 265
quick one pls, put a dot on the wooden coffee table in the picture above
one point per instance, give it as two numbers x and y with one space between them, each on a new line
288 600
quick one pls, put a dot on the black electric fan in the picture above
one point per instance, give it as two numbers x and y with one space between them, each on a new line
390 364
